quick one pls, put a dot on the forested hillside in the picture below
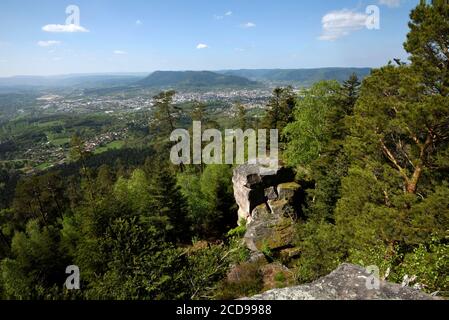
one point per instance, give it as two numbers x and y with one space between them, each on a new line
372 157
300 76
193 79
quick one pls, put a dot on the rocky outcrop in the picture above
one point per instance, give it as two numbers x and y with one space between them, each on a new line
254 185
268 204
348 282
267 201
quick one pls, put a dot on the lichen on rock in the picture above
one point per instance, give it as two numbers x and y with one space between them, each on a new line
266 201
347 282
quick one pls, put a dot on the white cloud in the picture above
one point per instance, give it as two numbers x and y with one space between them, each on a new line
390 3
70 28
202 46
139 23
48 43
337 24
120 52
249 25
221 17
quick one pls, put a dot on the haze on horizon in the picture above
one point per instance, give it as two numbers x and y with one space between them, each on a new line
144 36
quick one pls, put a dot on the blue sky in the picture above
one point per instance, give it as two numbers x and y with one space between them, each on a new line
148 35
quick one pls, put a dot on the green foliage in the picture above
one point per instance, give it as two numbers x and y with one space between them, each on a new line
374 157
139 265
237 231
306 133
280 278
169 209
135 191
430 265
242 121
206 267
379 164
37 265
210 199
195 80
164 120
301 77
280 107
244 281
428 46
266 250
322 250
316 141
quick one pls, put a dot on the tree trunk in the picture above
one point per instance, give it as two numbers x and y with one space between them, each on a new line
412 184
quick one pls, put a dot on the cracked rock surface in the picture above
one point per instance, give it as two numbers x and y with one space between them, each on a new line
347 282
266 201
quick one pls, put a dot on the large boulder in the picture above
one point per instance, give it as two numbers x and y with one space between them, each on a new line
348 282
267 204
267 232
254 184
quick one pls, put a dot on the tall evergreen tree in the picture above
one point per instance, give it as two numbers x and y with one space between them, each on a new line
398 147
166 114
428 44
167 203
165 119
280 109
199 112
242 120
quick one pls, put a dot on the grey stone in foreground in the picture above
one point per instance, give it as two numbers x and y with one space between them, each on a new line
347 282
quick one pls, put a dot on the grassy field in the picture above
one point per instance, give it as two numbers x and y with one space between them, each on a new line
59 141
43 166
49 124
110 146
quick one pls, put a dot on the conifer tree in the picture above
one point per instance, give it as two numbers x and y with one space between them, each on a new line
280 109
168 204
241 116
398 150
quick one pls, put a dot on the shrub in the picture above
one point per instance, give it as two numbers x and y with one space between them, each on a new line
243 280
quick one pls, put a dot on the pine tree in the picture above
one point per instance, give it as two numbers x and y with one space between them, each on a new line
398 147
166 114
280 109
427 42
242 120
165 120
79 153
199 112
332 164
168 204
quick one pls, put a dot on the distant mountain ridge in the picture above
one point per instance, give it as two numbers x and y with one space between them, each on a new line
303 76
71 80
194 79
183 79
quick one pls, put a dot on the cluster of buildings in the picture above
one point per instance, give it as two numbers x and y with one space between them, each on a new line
47 153
107 104
252 98
105 138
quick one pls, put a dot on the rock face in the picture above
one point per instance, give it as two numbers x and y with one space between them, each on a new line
266 201
348 282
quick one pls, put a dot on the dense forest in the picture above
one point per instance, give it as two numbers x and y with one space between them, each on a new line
373 157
